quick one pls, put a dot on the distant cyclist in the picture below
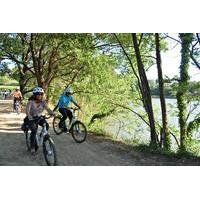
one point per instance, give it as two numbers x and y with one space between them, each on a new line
35 106
63 104
17 96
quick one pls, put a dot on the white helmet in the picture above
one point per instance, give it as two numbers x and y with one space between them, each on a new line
38 90
68 90
17 88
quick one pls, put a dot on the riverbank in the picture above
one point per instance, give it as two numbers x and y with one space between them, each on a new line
97 150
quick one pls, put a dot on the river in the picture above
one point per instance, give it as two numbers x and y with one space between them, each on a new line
139 131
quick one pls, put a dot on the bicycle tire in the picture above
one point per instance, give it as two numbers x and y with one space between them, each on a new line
48 142
56 128
78 136
18 110
28 141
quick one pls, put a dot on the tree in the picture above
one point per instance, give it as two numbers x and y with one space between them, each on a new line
14 49
165 137
145 90
44 57
186 40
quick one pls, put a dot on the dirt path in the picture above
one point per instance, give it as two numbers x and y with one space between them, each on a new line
96 151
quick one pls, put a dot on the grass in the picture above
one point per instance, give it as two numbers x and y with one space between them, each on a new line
145 148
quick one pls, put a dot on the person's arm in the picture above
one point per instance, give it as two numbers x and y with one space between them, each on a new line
20 95
74 102
13 94
28 107
55 108
51 112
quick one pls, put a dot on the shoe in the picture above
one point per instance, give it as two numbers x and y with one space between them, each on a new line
65 129
33 151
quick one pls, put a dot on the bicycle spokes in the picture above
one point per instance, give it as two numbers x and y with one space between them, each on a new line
79 132
49 152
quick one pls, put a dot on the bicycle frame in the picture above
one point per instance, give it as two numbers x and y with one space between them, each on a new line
41 135
74 118
17 104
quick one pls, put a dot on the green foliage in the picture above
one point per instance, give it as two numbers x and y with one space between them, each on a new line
192 148
99 73
182 91
193 126
5 80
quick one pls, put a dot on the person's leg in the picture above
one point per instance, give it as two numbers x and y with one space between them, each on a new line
14 101
33 127
64 116
69 114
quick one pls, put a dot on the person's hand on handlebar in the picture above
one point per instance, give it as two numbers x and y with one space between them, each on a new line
77 108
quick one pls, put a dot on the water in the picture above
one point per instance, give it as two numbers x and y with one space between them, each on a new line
139 130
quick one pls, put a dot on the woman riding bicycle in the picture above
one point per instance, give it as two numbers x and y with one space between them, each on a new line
63 103
36 105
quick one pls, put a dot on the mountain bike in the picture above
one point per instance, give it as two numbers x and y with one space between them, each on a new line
76 127
43 139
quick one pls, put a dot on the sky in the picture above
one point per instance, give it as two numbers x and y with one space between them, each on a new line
171 63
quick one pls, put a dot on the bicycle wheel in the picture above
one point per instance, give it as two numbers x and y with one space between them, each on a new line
56 125
79 132
28 141
49 151
18 110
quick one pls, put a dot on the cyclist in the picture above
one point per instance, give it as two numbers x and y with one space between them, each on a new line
17 96
63 103
36 105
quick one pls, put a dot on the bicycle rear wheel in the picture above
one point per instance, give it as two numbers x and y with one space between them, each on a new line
18 110
79 132
57 126
49 151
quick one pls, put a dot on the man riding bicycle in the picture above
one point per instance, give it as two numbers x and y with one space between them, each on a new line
17 96
36 105
63 103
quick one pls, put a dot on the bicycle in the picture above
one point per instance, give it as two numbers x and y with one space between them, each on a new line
76 128
43 139
17 106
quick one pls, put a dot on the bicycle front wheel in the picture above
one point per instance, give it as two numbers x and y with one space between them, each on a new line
79 132
49 151
58 129
28 140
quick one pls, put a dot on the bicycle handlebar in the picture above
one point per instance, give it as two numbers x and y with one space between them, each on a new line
47 117
74 108
42 117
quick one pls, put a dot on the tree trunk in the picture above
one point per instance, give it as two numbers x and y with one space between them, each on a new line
36 66
44 73
186 39
165 137
146 94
